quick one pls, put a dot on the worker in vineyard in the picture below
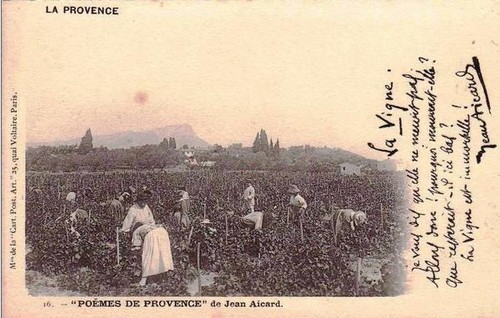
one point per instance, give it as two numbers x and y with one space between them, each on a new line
298 205
116 206
183 207
355 220
258 220
156 250
76 219
249 197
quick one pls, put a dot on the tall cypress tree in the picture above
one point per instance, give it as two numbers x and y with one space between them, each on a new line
164 144
264 144
256 143
271 148
86 144
276 150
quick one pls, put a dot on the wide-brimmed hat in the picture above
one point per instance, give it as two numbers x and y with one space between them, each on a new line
293 189
183 188
205 221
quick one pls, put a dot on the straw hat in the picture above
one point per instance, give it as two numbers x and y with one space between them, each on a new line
293 189
206 221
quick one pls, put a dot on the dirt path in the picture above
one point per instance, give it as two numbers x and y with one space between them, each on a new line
41 285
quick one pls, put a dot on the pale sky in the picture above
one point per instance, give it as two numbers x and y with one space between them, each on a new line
308 74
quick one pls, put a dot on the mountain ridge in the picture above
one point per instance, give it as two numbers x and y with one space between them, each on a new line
183 133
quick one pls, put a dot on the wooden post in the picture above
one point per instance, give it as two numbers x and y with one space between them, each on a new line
45 217
66 228
226 227
118 246
301 231
358 275
205 209
333 221
288 216
337 226
381 216
191 232
198 266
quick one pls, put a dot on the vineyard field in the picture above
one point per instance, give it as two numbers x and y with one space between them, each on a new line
238 260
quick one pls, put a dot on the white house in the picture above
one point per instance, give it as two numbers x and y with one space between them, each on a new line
188 153
190 159
348 169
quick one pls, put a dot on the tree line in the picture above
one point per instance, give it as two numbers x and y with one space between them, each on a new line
263 155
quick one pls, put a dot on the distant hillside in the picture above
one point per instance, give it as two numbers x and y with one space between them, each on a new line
184 135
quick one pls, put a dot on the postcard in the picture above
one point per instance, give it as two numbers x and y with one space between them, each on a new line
250 158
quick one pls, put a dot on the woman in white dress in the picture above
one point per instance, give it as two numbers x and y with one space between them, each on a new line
156 252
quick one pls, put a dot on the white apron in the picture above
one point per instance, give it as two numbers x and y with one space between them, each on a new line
156 253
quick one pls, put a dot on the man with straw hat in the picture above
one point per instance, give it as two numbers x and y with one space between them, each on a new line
297 205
